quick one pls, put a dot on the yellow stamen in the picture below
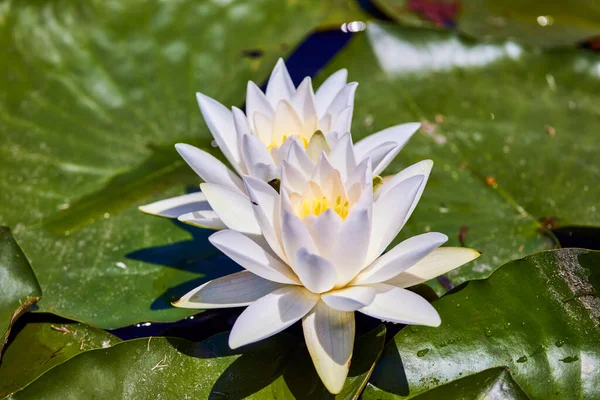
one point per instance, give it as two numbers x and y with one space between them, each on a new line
318 206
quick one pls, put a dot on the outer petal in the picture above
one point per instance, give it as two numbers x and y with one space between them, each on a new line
401 306
421 168
252 256
343 121
390 212
344 99
329 336
379 156
304 100
329 89
219 120
271 314
400 258
236 290
232 207
256 101
342 158
437 263
280 85
350 298
209 168
207 219
316 273
176 206
259 162
398 134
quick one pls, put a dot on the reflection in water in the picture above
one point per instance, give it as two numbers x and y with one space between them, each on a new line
396 55
354 26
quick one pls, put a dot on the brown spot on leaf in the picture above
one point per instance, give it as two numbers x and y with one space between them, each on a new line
548 223
491 181
462 235
550 130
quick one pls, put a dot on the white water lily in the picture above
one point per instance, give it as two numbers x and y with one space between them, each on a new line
316 255
257 142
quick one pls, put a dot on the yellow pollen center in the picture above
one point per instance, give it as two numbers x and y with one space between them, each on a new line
318 206
274 144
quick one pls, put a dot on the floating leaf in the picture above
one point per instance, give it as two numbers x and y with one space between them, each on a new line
39 346
538 318
94 96
19 289
512 133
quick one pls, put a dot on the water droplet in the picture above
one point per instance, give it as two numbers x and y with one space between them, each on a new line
570 359
560 343
507 325
457 305
522 359
421 353
106 215
488 332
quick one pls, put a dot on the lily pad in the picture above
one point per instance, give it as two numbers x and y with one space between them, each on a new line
175 368
537 317
513 134
94 96
39 346
19 289
543 23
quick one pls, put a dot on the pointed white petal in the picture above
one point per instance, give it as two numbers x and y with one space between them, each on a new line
266 208
209 168
232 207
329 89
329 336
304 100
207 219
322 170
379 156
401 306
176 206
343 122
291 178
325 231
344 99
342 158
403 256
263 127
240 122
350 298
258 159
316 146
295 236
252 256
398 134
352 246
271 314
298 158
421 168
285 122
316 273
280 85
236 290
256 101
390 213
438 262
219 120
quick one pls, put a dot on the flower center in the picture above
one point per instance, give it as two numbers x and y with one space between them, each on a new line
317 206
275 144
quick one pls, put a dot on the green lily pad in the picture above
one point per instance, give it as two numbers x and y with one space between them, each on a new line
176 369
39 346
544 23
537 317
94 96
19 289
513 134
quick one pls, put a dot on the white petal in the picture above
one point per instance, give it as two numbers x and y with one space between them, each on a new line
398 134
240 122
403 256
291 178
252 256
207 219
322 170
329 336
209 168
438 262
304 100
266 208
379 156
271 314
316 273
344 99
421 168
401 306
390 213
256 101
316 146
263 127
176 206
232 207
342 158
325 231
285 122
352 246
259 162
329 89
295 236
298 158
236 290
280 85
219 120
350 298
343 122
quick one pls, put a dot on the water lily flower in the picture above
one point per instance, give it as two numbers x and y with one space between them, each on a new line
256 143
317 256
